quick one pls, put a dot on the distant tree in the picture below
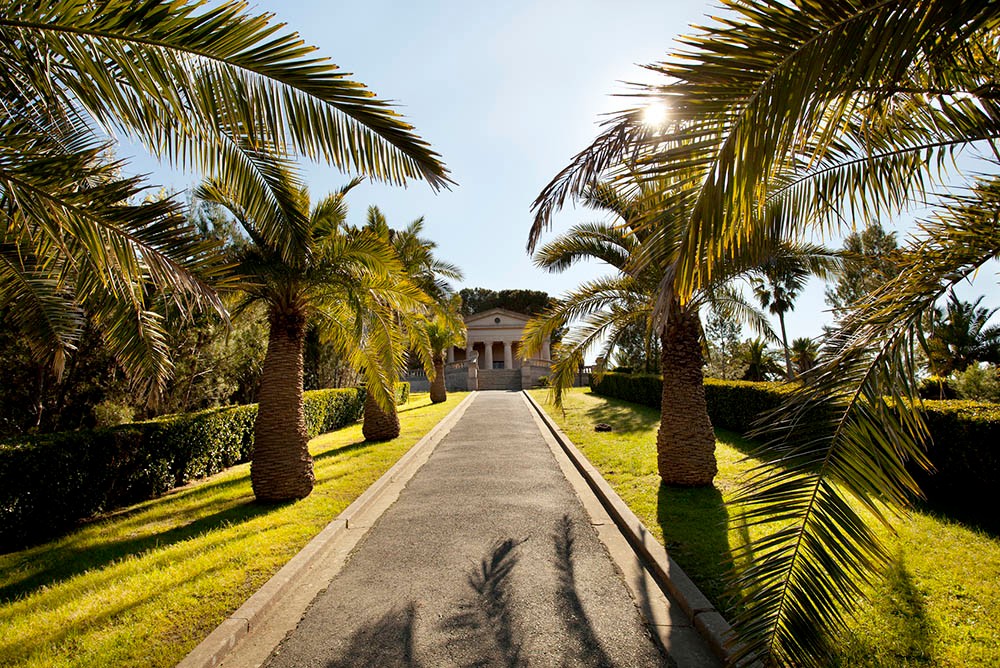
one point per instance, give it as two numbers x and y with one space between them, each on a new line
722 336
804 352
759 361
638 349
959 336
528 302
34 399
779 281
867 263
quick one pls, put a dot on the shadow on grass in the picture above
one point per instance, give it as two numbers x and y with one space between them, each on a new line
695 525
61 559
624 417
976 514
60 563
904 635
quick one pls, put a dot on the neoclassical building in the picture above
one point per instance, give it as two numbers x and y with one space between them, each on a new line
495 337
491 358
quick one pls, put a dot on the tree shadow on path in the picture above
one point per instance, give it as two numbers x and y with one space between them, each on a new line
387 642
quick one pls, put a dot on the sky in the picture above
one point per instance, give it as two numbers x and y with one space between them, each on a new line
507 93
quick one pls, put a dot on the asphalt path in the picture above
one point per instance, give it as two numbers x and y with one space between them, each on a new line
486 559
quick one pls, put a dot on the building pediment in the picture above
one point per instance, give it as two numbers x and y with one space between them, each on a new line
496 317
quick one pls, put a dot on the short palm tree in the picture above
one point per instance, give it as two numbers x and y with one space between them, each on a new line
415 254
338 281
204 86
960 335
444 330
613 306
426 271
759 360
761 125
804 353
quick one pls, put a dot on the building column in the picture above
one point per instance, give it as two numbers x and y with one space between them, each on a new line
488 350
508 358
546 352
451 354
468 352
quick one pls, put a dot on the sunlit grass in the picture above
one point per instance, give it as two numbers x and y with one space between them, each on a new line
145 585
938 606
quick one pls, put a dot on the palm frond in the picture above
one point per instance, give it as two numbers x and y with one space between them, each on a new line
844 441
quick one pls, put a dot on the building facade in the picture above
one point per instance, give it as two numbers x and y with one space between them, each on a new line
493 338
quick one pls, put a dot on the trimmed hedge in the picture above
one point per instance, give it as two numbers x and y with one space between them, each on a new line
49 482
965 435
965 450
732 404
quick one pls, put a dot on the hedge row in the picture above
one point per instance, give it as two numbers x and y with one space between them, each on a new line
965 435
51 481
732 404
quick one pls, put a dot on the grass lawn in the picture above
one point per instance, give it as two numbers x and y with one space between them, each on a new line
145 585
939 605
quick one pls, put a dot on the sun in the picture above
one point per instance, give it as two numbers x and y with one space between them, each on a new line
655 115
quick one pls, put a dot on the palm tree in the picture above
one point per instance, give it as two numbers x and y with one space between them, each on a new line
415 255
763 127
444 330
804 352
613 307
338 280
759 361
776 289
209 87
960 336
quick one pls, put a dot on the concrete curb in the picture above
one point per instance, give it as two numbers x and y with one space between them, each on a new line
213 649
706 619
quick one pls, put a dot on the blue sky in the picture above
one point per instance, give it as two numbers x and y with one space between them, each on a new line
507 93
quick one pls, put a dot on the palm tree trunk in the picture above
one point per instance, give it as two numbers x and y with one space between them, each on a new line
439 392
379 425
685 443
789 373
282 468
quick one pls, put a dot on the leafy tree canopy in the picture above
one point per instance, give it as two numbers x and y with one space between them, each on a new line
529 302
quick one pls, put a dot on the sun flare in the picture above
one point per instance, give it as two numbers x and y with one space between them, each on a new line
655 115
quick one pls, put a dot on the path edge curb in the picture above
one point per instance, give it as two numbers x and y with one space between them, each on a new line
211 651
709 622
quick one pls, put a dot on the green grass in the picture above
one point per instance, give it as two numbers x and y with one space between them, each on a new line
146 584
938 606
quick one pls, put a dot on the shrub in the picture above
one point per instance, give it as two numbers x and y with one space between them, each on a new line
936 387
978 383
965 450
50 481
112 413
965 435
639 389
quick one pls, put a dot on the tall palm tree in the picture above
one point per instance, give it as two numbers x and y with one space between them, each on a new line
338 281
613 306
209 87
776 285
761 125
